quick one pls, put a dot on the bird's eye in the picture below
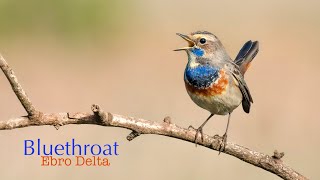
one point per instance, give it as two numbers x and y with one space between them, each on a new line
203 40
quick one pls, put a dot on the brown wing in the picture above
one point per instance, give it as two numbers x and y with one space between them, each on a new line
247 99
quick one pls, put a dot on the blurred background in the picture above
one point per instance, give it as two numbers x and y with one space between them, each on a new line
118 54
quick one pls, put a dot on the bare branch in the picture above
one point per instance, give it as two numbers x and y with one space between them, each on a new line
142 126
273 164
16 87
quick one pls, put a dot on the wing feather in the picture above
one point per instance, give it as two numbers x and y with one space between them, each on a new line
247 98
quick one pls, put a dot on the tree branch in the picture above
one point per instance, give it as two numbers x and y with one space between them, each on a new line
273 164
16 87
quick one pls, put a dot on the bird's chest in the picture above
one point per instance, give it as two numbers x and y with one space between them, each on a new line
201 77
205 80
209 88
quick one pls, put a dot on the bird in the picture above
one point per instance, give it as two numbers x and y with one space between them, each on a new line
213 80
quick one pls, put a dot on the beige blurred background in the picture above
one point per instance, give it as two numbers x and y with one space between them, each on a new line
118 54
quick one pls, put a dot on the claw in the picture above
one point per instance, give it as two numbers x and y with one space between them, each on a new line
223 143
199 130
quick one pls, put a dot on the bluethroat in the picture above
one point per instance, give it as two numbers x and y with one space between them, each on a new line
213 80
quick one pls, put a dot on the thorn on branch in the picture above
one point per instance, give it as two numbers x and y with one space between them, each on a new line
58 124
99 114
167 119
70 117
277 155
133 135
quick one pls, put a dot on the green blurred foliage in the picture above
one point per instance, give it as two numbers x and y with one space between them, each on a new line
65 18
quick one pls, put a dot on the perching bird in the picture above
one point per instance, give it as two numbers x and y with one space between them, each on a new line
213 80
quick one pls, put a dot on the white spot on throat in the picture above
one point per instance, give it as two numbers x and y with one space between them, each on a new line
193 64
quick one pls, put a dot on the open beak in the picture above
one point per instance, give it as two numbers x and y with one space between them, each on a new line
190 42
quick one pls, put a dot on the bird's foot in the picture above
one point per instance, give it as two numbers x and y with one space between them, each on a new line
223 143
198 132
191 127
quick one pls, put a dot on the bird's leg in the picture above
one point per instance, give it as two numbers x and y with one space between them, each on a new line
199 130
224 137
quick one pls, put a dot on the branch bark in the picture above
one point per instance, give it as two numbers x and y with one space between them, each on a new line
273 163
16 87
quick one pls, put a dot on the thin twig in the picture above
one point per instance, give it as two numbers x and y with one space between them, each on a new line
16 87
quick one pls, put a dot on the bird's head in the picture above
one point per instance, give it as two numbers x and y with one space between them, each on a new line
201 44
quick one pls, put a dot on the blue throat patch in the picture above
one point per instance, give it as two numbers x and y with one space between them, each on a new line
197 51
201 76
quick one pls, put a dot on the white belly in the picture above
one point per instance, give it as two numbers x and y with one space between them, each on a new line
220 104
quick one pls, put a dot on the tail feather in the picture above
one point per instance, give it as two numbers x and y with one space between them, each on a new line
246 55
243 60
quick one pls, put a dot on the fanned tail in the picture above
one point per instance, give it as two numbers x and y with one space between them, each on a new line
246 55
